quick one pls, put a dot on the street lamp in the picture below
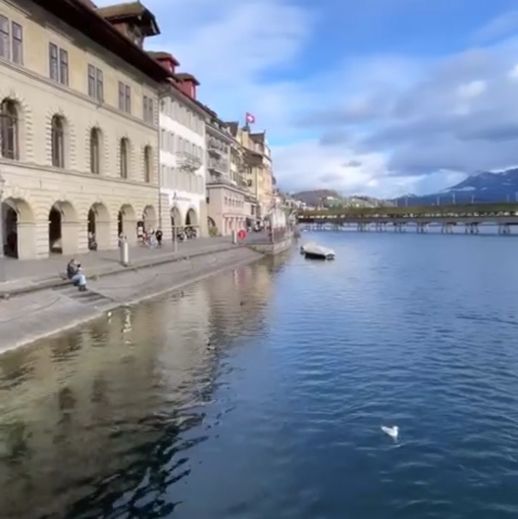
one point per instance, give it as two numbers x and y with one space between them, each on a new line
2 261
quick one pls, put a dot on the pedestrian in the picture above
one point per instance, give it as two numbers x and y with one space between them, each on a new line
158 236
76 275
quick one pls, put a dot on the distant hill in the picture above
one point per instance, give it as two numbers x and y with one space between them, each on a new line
331 198
316 197
482 187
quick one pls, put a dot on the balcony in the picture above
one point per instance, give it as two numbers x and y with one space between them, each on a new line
188 162
216 148
219 167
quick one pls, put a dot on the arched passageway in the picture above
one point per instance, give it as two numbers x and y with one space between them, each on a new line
99 228
149 219
18 229
191 224
63 228
176 222
127 224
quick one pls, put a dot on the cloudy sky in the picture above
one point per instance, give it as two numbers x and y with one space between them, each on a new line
379 97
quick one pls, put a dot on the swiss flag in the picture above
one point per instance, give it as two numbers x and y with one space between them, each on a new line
250 118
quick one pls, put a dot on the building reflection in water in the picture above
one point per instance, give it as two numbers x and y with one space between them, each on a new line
98 420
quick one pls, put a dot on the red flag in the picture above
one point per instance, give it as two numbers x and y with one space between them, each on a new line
250 118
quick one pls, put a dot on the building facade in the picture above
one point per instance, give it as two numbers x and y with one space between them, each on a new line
228 206
78 125
257 170
183 163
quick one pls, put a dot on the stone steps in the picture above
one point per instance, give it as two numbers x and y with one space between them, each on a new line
89 298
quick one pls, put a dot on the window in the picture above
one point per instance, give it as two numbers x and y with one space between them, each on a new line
149 113
128 99
4 38
9 129
58 64
163 139
53 62
63 67
124 98
95 83
124 158
148 164
17 43
95 151
58 142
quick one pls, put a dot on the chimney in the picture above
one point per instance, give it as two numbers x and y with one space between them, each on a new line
187 84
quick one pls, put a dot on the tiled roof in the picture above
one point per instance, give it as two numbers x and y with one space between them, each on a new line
163 55
119 12
82 16
122 10
184 76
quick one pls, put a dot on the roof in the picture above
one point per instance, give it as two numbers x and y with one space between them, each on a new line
160 55
258 137
253 158
131 10
184 76
89 3
87 20
234 127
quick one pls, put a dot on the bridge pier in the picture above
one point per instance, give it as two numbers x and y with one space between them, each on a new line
471 228
421 228
504 229
447 228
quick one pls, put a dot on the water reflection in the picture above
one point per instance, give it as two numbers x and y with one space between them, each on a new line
99 422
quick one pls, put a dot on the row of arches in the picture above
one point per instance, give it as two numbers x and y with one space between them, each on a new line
65 227
11 139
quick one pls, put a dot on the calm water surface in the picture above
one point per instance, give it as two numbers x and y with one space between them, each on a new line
260 393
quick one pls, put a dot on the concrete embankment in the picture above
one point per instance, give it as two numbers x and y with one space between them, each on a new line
28 317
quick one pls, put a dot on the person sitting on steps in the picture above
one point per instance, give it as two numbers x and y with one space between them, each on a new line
76 275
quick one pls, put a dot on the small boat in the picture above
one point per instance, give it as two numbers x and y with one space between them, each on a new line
314 251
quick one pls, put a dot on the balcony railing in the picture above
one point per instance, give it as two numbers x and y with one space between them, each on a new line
221 167
188 162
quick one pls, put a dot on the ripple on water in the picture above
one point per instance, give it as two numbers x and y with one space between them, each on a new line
136 417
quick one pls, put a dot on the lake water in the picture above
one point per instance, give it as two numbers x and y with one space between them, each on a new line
260 393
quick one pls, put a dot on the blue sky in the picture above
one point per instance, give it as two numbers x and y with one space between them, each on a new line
379 97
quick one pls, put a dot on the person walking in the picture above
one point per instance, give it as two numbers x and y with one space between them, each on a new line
158 236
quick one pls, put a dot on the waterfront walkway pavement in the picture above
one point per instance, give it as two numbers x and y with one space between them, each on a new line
37 314
30 275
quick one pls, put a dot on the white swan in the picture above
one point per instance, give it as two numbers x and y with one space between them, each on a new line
393 432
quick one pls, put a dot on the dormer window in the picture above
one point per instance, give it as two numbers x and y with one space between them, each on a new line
131 19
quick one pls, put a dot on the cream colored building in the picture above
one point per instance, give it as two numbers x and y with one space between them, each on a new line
79 125
183 161
228 207
257 169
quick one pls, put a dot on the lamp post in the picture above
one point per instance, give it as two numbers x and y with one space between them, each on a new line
2 260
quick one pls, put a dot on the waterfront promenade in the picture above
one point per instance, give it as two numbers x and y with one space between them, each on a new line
37 302
25 275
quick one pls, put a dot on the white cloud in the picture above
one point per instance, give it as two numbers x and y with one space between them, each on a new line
472 89
382 125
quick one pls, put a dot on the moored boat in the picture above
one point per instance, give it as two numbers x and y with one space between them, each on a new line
314 251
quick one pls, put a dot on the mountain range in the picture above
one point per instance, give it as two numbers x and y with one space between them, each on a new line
482 187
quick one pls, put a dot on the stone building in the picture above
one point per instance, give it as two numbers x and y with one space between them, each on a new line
228 207
257 170
183 162
78 125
